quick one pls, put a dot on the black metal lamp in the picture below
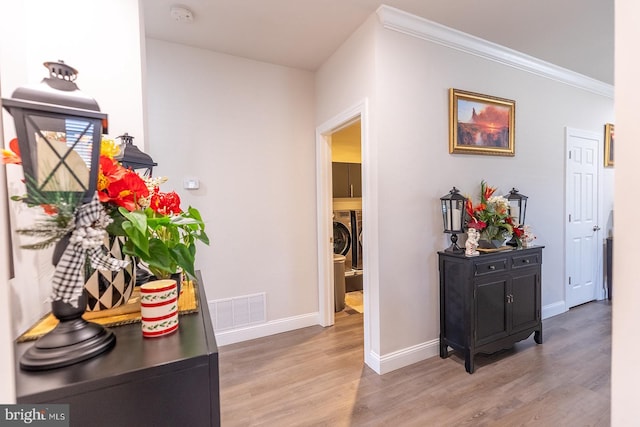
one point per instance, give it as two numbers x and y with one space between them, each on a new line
517 210
132 157
517 206
59 132
453 212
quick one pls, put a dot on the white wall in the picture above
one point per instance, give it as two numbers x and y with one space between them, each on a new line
246 130
414 168
626 294
102 39
8 392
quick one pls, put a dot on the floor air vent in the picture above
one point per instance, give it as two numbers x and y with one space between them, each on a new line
231 313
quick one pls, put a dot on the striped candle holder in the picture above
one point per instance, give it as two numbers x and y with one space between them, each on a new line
159 308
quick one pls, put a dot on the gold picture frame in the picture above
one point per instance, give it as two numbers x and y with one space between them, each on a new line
481 124
609 138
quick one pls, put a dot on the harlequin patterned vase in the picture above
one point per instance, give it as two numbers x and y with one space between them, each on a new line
110 289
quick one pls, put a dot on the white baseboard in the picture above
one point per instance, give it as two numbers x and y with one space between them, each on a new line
553 309
401 358
233 336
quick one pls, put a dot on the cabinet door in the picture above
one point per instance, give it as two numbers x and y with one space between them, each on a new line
491 308
525 305
340 180
355 179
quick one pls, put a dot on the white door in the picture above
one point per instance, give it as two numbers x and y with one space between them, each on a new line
582 243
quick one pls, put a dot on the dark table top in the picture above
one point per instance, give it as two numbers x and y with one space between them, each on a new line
131 358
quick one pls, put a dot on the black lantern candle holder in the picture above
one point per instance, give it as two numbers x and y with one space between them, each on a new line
132 157
453 215
517 210
59 132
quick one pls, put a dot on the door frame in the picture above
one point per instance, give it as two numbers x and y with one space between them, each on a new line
326 315
599 211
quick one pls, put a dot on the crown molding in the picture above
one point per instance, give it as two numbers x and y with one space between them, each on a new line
406 23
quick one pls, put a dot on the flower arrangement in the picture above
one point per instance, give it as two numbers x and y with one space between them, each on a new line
158 231
491 216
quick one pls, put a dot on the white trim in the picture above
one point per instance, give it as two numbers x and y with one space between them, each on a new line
265 329
406 23
325 229
408 356
554 309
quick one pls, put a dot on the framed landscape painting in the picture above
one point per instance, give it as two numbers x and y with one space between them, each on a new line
481 124
609 137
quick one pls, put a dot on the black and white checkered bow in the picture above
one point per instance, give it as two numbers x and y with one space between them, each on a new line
85 242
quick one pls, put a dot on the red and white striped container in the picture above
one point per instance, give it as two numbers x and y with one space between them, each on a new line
159 308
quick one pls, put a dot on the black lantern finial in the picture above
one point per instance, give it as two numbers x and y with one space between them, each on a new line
453 212
131 156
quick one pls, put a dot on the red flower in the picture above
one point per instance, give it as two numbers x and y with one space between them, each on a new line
165 203
50 209
469 207
12 156
486 191
125 192
478 225
518 231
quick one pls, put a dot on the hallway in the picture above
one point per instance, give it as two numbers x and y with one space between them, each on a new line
316 376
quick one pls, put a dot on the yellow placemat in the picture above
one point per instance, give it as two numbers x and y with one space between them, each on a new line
123 315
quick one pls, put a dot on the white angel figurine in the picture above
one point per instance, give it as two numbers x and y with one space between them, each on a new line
472 242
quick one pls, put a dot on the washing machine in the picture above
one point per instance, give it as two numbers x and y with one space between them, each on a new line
356 239
342 236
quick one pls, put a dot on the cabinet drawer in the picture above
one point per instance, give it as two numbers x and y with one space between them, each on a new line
525 260
488 267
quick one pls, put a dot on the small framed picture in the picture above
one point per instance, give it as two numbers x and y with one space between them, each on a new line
609 137
481 124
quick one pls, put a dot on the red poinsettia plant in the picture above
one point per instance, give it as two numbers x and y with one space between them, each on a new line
158 231
491 216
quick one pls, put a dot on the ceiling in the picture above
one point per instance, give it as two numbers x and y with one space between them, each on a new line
574 34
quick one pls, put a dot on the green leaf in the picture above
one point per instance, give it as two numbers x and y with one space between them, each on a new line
185 257
136 218
136 238
159 257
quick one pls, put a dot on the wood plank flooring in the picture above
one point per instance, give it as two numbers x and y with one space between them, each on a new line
316 377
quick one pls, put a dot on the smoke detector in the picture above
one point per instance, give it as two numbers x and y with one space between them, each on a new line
181 14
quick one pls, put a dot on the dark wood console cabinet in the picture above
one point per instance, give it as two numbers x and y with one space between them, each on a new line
489 302
167 381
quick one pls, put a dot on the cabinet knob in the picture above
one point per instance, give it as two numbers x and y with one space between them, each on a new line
526 261
492 267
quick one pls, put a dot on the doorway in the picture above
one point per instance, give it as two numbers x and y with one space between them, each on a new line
326 314
348 220
583 250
